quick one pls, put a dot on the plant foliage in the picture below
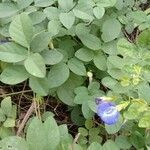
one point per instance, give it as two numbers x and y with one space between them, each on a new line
76 51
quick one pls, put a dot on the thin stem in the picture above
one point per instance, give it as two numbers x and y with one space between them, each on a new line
15 93
75 141
25 119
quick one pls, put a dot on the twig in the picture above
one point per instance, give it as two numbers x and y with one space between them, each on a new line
126 35
15 93
21 96
75 141
25 119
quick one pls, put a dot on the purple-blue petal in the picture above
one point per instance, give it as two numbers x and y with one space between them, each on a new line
108 112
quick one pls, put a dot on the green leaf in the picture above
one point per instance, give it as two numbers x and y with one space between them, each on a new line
84 54
66 5
58 75
82 15
83 131
110 47
144 120
108 33
6 106
2 116
112 129
81 28
40 42
7 9
52 57
66 139
76 116
14 75
109 145
107 3
13 142
54 27
52 13
143 39
123 142
35 65
99 12
87 112
137 140
91 103
109 82
47 114
93 87
39 86
44 3
5 132
9 123
12 52
81 97
88 40
116 61
51 129
138 16
66 91
23 4
143 92
35 136
77 67
95 138
89 123
37 17
67 19
125 48
119 4
135 110
77 147
95 146
21 30
100 61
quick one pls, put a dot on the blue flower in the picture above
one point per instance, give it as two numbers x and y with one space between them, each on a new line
108 112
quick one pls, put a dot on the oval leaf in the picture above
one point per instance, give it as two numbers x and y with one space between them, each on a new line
67 19
11 52
51 129
39 86
35 65
52 57
58 75
99 12
44 3
100 61
90 40
35 137
7 9
84 54
77 67
21 30
14 75
108 33
13 142
40 42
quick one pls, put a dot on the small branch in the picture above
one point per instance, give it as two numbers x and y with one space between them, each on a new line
15 93
25 119
75 141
